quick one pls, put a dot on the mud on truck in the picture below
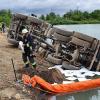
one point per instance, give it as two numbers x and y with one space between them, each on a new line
71 49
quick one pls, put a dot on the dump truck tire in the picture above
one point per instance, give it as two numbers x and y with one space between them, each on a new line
61 37
50 32
80 42
57 76
54 60
83 37
42 52
63 32
67 66
43 45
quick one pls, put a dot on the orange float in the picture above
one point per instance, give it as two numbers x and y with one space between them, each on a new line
61 88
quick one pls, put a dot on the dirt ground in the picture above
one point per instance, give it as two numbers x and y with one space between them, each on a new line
7 83
7 51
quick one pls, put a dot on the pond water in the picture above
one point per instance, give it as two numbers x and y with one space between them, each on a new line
91 30
86 95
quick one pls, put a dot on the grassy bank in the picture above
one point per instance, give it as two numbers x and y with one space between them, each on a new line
61 22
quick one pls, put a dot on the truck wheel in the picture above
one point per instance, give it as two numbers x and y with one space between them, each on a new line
68 66
63 32
43 45
54 60
42 52
83 37
61 37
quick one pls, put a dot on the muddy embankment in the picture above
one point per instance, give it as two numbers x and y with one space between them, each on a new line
8 87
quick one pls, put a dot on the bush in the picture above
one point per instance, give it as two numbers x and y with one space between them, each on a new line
5 16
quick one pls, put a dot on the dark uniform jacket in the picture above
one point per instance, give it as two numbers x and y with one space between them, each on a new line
28 44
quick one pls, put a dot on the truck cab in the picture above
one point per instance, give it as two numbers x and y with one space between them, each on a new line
32 23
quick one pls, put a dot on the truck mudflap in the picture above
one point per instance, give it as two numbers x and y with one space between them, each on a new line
13 41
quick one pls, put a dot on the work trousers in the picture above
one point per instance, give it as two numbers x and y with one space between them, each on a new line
28 58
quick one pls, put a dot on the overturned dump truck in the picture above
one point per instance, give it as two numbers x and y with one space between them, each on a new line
71 49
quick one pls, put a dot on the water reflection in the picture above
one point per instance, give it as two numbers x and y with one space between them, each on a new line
89 29
88 95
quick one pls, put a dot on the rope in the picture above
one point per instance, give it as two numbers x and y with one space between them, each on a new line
44 90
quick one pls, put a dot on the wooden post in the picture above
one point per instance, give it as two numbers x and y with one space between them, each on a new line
14 70
98 66
94 55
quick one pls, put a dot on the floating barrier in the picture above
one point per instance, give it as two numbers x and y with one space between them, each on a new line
61 88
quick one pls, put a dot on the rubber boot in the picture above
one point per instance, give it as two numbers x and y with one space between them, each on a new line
26 66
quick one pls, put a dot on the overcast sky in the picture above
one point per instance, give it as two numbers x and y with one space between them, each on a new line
46 6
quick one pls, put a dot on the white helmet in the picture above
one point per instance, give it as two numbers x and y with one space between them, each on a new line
24 31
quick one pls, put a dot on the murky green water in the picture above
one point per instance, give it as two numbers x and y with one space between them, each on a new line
87 95
94 31
89 29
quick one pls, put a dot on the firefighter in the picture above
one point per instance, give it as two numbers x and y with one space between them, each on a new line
27 51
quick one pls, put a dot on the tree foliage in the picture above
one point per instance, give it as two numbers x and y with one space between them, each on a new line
74 17
71 17
42 17
5 16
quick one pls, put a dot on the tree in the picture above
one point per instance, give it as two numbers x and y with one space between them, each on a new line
86 15
5 16
52 15
68 15
95 14
42 17
74 17
47 17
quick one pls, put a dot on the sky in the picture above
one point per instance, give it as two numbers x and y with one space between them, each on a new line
46 6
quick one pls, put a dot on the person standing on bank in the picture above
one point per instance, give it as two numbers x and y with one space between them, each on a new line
3 27
27 51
